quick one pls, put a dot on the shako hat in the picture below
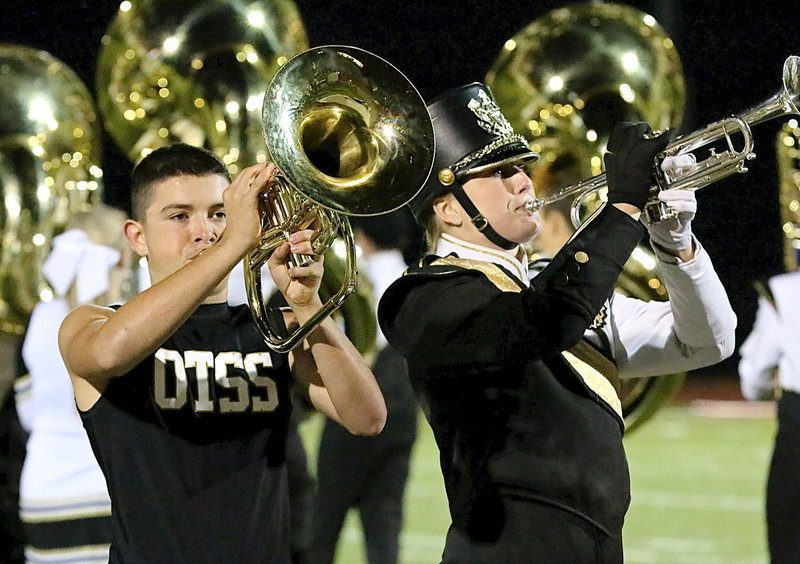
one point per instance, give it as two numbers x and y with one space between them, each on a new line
472 135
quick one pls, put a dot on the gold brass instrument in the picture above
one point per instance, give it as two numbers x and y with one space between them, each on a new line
715 167
194 71
563 82
49 170
569 76
357 318
788 152
350 135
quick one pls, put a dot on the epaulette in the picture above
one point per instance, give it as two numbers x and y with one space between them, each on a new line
432 267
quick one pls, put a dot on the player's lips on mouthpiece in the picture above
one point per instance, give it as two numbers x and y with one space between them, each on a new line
524 206
198 253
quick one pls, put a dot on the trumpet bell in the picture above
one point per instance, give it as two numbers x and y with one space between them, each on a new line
791 81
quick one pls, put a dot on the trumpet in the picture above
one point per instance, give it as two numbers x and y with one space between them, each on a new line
715 167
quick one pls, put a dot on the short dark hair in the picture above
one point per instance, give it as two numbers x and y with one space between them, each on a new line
177 159
387 231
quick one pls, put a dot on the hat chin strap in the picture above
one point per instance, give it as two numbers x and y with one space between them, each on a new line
480 222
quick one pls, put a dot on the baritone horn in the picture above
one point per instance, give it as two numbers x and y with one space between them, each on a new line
349 135
715 167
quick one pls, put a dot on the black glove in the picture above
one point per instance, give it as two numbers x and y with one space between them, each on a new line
630 163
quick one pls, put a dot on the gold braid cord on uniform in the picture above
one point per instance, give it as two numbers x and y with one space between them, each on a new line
493 272
597 372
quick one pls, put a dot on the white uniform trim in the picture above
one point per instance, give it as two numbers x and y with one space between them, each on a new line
74 555
773 342
23 387
514 260
65 508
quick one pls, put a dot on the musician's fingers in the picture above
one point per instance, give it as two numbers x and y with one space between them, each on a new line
682 201
678 163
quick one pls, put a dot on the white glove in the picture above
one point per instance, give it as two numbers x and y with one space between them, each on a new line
674 166
675 234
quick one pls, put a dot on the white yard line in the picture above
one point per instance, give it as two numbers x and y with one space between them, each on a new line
707 502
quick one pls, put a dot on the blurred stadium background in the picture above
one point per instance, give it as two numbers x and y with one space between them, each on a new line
699 466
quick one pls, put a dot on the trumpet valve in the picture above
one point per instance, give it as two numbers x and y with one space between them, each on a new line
656 211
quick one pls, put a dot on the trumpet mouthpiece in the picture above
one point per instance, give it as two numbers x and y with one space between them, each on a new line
533 205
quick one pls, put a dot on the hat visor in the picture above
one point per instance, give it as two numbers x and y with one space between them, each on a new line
503 155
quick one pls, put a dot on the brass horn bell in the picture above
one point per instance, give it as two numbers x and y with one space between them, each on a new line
564 81
350 135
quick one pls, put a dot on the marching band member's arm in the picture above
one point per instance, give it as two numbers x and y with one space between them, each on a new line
761 353
549 316
338 381
99 343
695 328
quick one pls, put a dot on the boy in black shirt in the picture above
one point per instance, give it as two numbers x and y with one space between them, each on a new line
185 405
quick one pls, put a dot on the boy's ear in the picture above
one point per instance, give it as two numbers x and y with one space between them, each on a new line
135 235
448 210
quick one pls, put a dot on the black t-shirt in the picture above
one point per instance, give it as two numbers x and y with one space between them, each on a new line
192 444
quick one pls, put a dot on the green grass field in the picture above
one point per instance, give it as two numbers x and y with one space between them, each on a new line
698 493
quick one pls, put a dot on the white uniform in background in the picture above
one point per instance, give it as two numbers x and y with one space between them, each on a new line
383 268
61 481
237 291
774 341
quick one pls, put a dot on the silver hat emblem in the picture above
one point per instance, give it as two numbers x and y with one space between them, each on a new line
489 116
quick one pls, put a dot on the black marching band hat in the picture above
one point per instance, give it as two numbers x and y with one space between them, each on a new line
472 135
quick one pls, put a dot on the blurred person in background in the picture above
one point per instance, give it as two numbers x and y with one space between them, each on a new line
370 473
64 503
769 369
12 454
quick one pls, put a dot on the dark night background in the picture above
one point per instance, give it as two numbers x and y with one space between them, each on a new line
732 52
